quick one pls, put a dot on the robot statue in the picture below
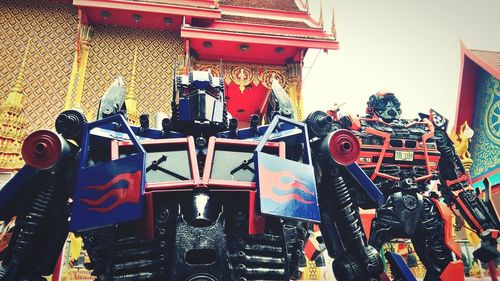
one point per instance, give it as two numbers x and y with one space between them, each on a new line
198 199
402 157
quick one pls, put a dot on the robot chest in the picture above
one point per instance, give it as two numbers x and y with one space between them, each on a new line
397 149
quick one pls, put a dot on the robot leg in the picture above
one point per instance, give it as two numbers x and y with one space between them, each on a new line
344 237
42 227
383 225
431 246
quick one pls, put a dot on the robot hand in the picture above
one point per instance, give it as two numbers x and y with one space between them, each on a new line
489 249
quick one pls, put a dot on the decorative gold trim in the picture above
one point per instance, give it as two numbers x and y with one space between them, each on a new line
267 75
296 97
243 74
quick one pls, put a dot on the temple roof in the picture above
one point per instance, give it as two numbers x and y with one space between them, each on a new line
489 57
472 62
283 5
282 18
257 31
264 21
190 3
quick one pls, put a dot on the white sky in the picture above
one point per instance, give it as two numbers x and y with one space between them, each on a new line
409 47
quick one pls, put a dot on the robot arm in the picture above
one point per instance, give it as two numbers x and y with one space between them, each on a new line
38 197
456 189
335 150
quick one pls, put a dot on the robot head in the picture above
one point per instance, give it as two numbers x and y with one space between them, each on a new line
201 101
385 106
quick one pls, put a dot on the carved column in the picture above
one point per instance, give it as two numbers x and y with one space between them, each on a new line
77 78
293 89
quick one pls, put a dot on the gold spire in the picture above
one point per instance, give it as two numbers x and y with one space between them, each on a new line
12 123
130 98
321 13
14 98
216 4
334 30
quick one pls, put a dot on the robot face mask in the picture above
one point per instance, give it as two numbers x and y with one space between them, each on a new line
385 106
201 97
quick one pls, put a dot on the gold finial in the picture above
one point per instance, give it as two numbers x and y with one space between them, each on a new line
321 13
461 144
334 30
82 40
307 5
216 4
130 98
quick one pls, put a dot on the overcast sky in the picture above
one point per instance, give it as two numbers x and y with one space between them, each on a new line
409 47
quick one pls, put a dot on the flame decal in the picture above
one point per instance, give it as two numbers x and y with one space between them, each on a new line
288 185
127 194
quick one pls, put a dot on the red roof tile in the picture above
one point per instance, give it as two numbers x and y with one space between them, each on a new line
173 2
264 21
489 57
283 5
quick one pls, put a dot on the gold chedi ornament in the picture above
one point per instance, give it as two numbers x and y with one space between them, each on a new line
461 144
321 20
12 122
131 97
333 30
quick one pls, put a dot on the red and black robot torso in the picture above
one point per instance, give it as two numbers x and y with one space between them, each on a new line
399 155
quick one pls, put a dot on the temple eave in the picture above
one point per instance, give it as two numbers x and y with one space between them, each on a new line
149 7
284 29
259 38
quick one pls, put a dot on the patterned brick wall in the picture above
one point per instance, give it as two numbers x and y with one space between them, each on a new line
52 29
112 54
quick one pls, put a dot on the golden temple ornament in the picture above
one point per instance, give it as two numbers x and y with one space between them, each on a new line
131 97
242 76
333 29
321 21
12 122
461 144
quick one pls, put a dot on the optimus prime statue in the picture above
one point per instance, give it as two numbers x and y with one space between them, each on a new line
401 157
198 199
